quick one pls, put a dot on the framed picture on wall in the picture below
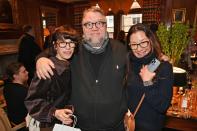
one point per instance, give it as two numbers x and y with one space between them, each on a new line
178 15
9 29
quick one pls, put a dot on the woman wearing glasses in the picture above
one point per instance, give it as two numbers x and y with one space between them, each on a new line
46 98
157 85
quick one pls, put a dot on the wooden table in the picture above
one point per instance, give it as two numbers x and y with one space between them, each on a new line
179 123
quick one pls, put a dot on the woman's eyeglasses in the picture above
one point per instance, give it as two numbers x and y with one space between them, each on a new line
64 44
142 44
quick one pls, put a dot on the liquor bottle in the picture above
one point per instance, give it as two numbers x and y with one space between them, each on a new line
185 104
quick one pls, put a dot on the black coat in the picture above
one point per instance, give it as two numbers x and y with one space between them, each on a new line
27 52
99 98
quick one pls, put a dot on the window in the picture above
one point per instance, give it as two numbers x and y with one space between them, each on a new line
110 25
128 20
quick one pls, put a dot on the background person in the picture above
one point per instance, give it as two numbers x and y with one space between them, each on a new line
46 98
157 85
50 38
98 72
28 50
15 91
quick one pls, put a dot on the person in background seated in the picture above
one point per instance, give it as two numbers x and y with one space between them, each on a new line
28 50
46 99
15 91
156 85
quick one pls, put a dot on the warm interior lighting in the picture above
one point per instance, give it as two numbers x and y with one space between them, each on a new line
97 5
46 32
135 5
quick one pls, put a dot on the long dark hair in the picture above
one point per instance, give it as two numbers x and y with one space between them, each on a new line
155 44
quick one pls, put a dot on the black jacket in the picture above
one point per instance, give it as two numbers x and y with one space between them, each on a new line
150 116
15 96
99 101
44 96
27 52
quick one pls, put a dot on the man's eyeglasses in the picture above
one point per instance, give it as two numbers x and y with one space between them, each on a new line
98 24
142 44
64 44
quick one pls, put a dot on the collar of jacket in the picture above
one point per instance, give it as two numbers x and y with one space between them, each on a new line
61 65
95 50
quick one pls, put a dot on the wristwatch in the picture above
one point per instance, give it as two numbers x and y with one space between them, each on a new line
148 83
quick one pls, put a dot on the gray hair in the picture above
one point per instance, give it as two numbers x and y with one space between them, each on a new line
93 9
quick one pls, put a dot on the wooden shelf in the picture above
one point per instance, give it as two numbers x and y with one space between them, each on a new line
78 14
151 11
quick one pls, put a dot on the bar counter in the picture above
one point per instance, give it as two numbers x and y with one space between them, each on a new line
178 122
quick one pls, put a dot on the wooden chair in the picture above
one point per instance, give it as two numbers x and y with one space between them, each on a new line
5 124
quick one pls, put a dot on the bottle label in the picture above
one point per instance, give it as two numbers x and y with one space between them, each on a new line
184 103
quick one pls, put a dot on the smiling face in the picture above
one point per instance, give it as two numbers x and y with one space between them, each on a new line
65 49
140 44
95 35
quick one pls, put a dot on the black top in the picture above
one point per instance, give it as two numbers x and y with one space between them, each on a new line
15 95
44 96
150 116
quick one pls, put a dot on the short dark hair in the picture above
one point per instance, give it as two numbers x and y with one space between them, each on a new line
66 32
27 28
12 68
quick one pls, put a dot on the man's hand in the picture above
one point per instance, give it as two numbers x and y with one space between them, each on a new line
164 57
44 68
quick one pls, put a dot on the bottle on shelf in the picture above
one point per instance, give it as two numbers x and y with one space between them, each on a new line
185 104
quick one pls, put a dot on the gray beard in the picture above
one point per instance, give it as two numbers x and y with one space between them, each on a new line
93 44
99 48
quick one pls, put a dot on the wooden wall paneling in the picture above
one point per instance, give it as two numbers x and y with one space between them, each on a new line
32 9
190 8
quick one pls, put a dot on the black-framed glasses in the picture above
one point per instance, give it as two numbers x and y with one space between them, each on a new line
142 44
64 44
97 24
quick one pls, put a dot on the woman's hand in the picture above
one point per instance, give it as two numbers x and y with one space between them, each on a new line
64 116
145 74
44 68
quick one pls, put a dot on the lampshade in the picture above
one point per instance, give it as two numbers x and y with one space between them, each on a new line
180 77
135 5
